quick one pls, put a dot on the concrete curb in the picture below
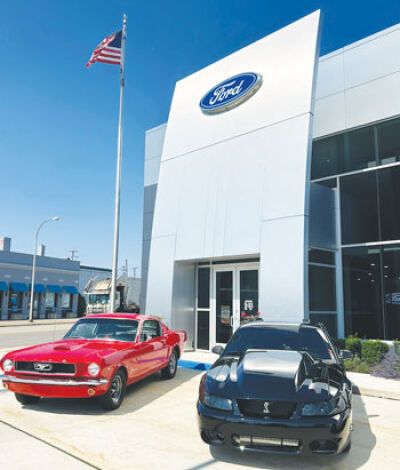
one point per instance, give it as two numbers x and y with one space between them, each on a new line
371 392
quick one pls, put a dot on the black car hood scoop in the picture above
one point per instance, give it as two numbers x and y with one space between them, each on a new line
278 375
275 363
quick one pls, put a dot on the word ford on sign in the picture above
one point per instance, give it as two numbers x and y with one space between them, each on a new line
230 93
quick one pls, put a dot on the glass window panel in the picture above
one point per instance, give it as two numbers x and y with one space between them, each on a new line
389 142
248 294
203 329
359 208
327 156
204 288
322 288
321 256
391 285
362 292
389 202
331 183
359 149
224 303
328 319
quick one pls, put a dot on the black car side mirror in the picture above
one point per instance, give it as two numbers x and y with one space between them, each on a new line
345 354
218 349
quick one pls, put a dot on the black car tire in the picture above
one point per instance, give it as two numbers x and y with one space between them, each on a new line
114 396
26 399
169 372
347 448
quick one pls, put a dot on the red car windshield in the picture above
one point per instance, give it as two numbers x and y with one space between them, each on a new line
111 329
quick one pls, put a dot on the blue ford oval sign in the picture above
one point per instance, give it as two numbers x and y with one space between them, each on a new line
230 93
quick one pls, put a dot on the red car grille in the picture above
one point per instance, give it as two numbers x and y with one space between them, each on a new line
50 368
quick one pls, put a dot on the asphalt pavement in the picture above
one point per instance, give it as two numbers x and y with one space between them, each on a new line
13 337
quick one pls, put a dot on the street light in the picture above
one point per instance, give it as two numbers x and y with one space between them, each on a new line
56 218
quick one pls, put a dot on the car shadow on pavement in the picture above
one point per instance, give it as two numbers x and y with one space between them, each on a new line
137 396
363 442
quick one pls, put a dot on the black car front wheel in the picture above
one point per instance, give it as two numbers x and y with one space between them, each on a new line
26 399
169 372
113 398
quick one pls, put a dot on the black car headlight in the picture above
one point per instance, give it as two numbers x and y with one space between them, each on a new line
213 401
330 407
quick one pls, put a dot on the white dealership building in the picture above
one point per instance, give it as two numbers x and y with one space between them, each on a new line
274 189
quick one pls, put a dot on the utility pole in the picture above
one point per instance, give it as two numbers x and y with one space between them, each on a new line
73 253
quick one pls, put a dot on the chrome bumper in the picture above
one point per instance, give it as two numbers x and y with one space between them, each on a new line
62 382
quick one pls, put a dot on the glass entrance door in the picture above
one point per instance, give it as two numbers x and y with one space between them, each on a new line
223 305
235 299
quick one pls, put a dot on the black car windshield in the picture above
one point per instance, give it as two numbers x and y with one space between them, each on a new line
112 329
278 338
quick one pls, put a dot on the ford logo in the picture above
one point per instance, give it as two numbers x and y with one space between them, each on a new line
230 93
41 367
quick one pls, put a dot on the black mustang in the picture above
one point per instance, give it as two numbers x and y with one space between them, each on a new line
277 388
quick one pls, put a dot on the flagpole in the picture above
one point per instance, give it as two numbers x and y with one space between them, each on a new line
118 175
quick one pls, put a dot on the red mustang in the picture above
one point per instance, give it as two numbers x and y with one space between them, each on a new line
99 356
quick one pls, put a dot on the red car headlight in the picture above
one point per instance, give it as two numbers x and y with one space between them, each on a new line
7 365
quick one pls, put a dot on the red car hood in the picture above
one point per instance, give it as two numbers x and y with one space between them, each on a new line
69 350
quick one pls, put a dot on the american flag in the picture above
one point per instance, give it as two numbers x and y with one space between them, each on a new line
108 51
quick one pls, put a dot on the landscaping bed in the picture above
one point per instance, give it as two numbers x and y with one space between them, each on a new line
372 357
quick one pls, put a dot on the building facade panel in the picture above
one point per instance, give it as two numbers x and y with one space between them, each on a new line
253 253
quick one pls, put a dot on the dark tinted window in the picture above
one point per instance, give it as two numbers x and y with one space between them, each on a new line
322 288
359 149
359 208
327 157
321 256
389 202
389 142
104 328
204 288
328 319
259 337
362 292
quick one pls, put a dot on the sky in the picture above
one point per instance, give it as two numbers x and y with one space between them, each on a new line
59 120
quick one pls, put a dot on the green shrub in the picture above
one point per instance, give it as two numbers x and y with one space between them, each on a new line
353 344
340 343
372 352
396 347
356 365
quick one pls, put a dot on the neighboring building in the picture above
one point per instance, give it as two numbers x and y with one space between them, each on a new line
238 218
56 286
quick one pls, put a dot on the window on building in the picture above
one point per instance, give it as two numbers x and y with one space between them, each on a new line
362 292
359 208
322 288
329 320
66 301
359 149
50 301
389 142
389 202
203 288
391 290
327 157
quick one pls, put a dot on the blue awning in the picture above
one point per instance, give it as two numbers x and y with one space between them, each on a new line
19 287
3 285
54 289
38 288
70 290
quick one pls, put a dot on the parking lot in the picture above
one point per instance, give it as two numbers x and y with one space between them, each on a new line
156 426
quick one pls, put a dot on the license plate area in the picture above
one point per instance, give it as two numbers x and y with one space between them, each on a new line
275 444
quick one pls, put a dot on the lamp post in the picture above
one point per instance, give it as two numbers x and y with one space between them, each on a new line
34 264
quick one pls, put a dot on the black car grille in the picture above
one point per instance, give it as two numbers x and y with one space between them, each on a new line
50 368
266 408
